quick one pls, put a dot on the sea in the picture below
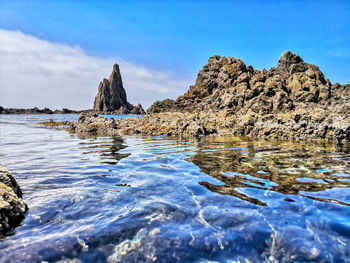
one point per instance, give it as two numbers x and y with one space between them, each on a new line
171 199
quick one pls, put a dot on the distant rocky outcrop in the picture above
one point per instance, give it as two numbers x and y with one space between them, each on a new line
25 111
12 207
36 110
291 101
111 96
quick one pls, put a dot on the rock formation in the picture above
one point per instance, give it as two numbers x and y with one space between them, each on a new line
12 207
290 101
111 96
228 84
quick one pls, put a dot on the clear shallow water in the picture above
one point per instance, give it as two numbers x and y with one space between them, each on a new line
153 199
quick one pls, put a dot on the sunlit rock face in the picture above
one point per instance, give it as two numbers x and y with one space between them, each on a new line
111 96
292 100
226 83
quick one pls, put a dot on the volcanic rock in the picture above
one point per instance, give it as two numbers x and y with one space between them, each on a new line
111 96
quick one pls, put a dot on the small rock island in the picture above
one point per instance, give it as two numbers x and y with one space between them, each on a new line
111 97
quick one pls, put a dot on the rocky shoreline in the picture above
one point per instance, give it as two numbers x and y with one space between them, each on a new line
292 101
12 207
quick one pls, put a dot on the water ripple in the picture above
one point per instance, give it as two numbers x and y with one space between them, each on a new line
155 199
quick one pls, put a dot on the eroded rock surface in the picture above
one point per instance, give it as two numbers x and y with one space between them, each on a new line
290 101
12 207
111 96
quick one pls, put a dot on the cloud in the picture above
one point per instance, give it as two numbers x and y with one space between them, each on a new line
35 72
340 52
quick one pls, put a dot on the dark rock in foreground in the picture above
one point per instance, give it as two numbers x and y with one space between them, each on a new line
12 207
292 101
111 97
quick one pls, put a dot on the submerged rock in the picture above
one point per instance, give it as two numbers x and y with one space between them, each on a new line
290 101
111 96
12 207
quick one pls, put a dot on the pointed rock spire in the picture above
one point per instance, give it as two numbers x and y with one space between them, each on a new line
111 96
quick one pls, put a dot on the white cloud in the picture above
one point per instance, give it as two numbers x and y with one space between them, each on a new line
340 52
35 72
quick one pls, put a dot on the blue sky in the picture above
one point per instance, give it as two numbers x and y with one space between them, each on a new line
180 36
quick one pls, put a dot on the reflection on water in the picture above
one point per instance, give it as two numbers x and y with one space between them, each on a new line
290 169
108 148
153 199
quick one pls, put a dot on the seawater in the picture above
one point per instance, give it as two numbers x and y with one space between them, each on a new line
157 199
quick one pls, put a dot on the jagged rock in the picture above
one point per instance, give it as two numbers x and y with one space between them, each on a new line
111 96
228 84
268 100
290 101
12 207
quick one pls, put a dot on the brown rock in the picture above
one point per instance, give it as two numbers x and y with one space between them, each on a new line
12 207
290 101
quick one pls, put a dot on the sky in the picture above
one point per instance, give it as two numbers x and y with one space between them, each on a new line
54 53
